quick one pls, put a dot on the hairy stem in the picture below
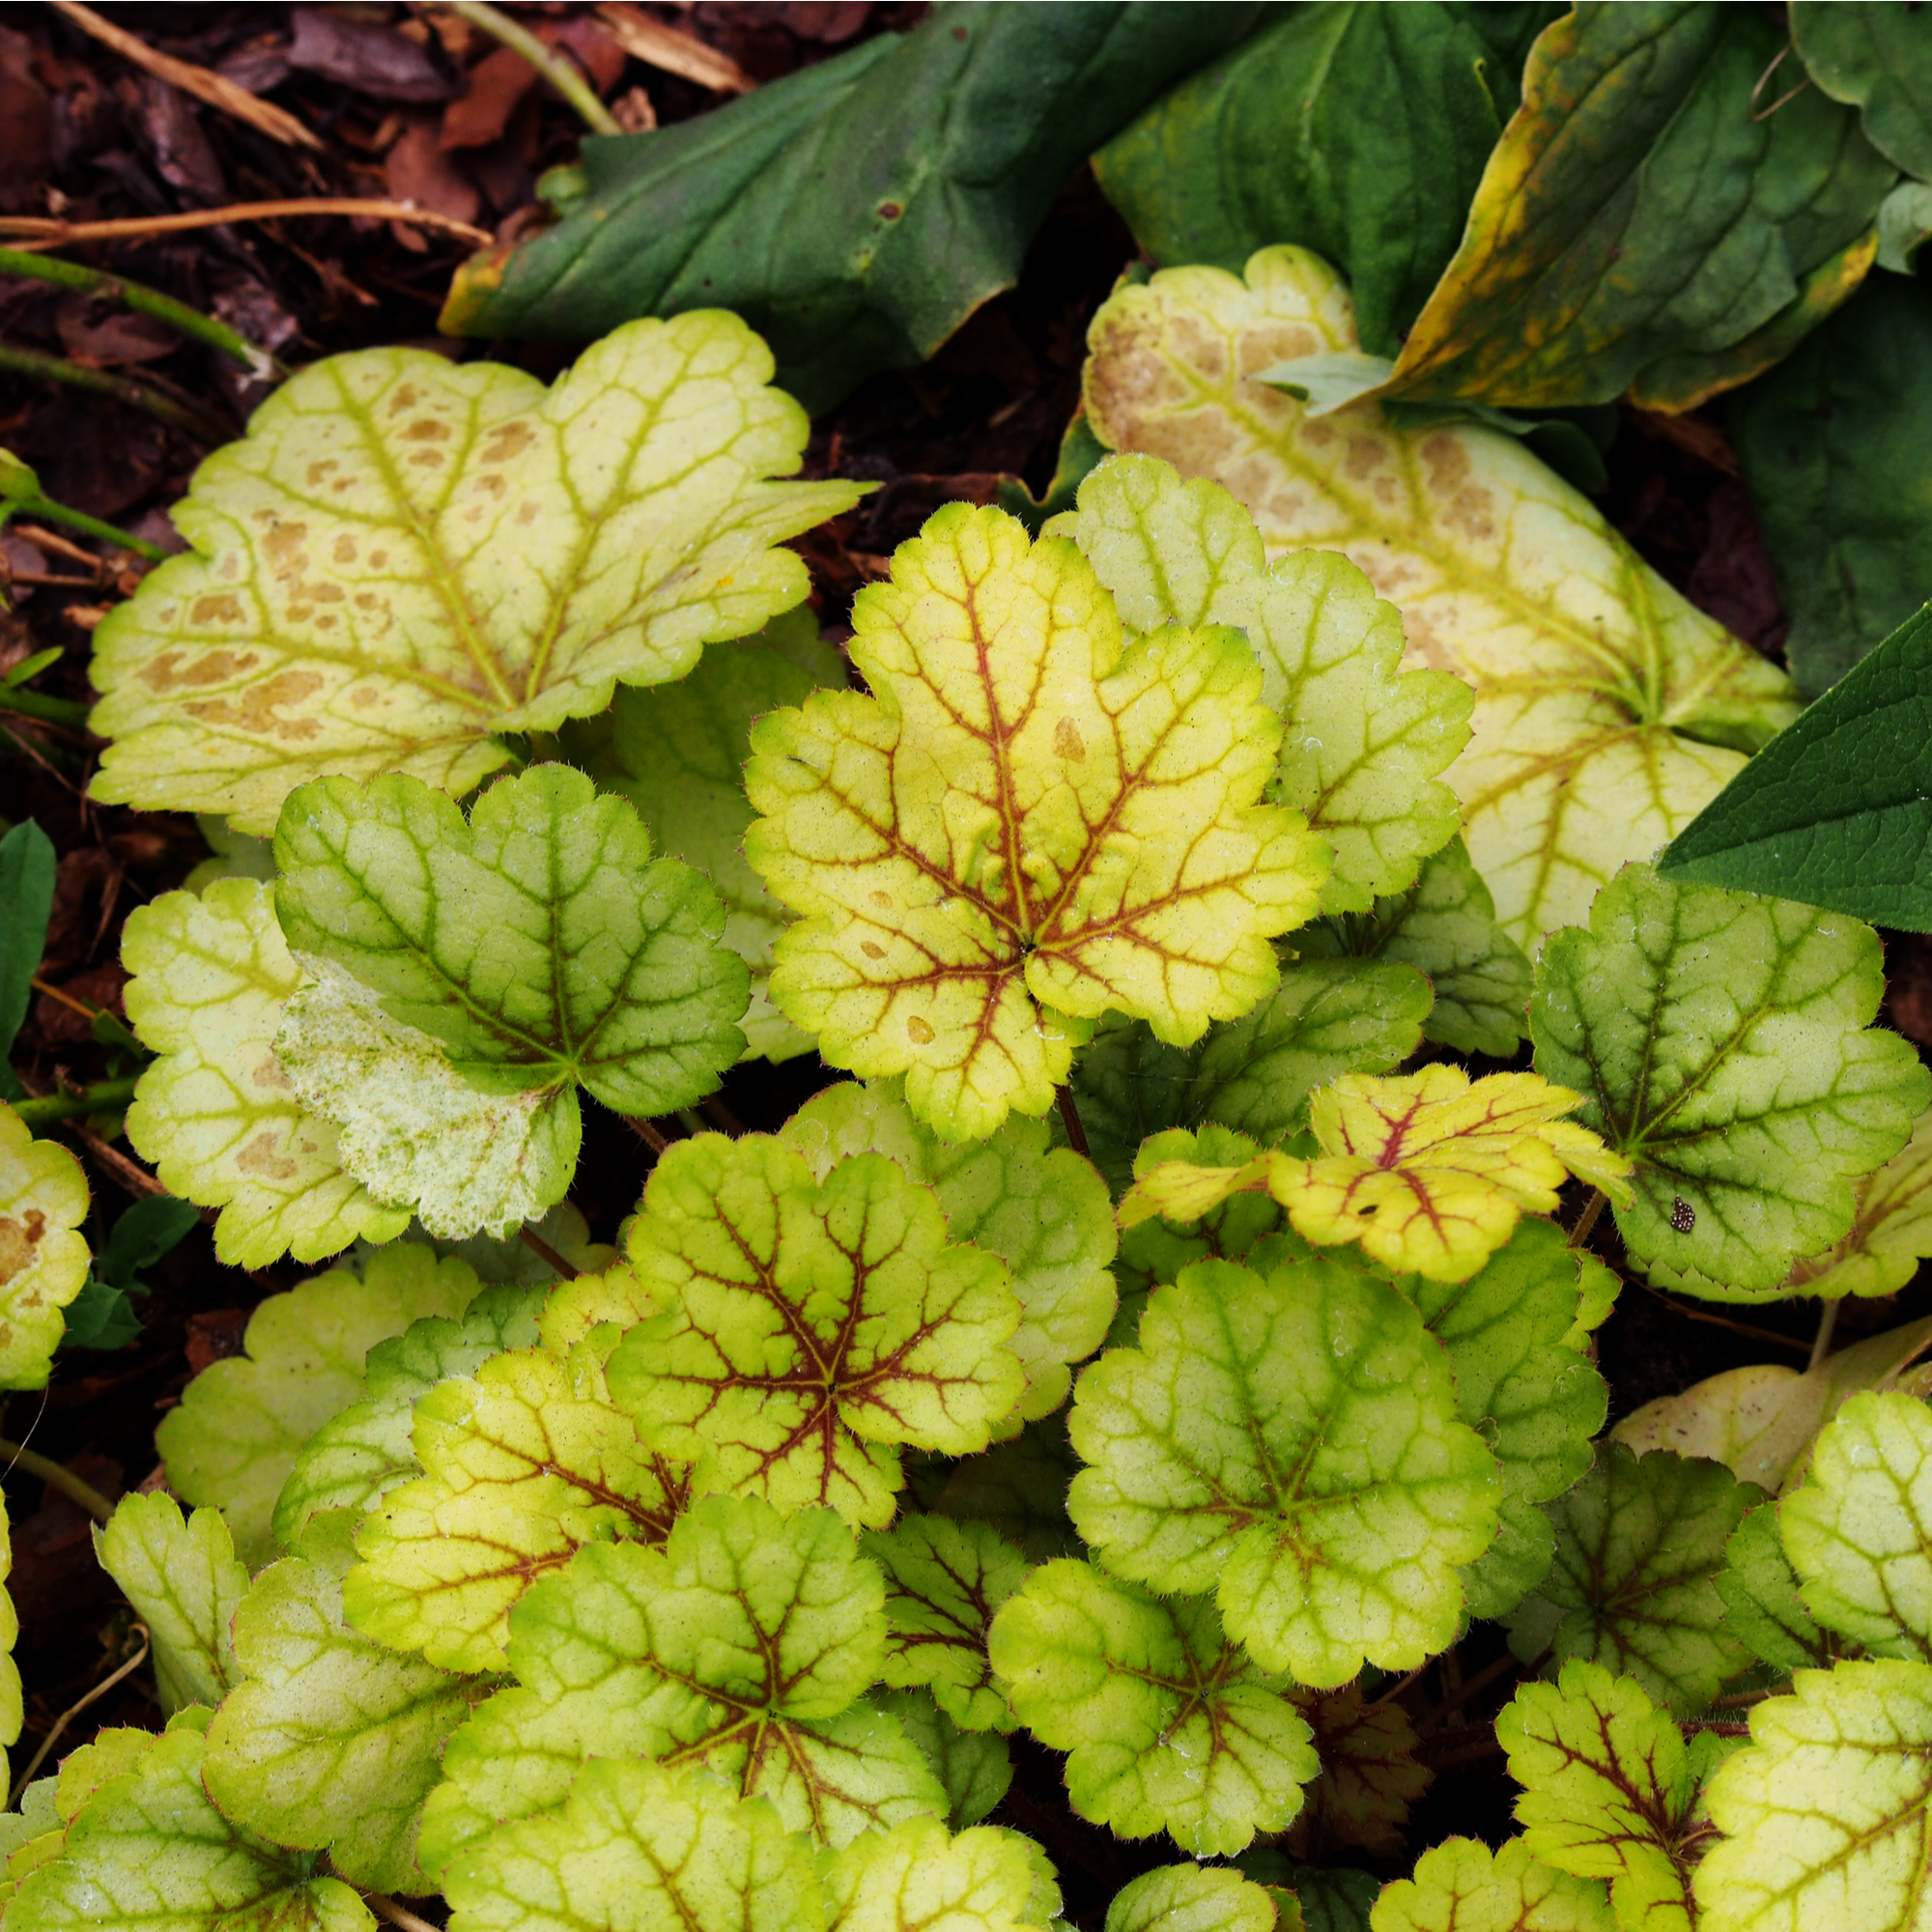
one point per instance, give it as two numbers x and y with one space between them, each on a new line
1069 1113
54 1476
106 1096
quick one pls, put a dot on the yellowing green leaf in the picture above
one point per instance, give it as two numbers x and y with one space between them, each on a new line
1462 1886
1292 1444
912 1877
1030 823
1604 700
1192 1898
42 1257
1889 1235
183 1579
1362 739
241 1422
215 1113
407 555
809 1331
524 1463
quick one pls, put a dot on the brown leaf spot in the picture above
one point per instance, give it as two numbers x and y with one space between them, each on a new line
873 950
527 512
259 1156
269 1072
256 710
506 440
883 900
17 1241
1067 741
405 398
222 608
216 667
1467 507
345 549
426 429
917 1031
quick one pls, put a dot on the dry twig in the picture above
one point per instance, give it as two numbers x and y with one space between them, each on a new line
27 231
671 52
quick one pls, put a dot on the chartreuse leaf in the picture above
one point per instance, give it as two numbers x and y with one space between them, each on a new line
151 1854
356 1456
1169 1728
237 855
407 556
1824 1813
1589 265
1639 1545
43 1256
524 1463
12 1707
329 1741
1031 822
638 1847
809 1331
1368 1775
1761 1598
1041 1209
742 1645
677 752
1611 1790
464 978
1461 1885
1362 739
944 1582
1724 1047
241 1422
1290 1443
1876 59
1600 712
1890 1235
215 1113
911 1877
1192 1898
1428 1171
1446 927
183 1579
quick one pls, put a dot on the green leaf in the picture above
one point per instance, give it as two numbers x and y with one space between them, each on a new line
183 1579
1760 1593
1462 1886
677 754
928 158
1856 1532
1019 1486
1891 1235
1904 221
408 557
1600 722
150 1854
240 1423
1368 1774
910 1877
1168 1725
1877 59
514 1259
975 1768
43 1256
1358 131
1609 1790
1723 1043
742 1647
1332 1899
1292 1444
1639 1545
811 1330
944 1582
1524 1388
524 1462
1444 927
1041 1209
1836 810
639 1846
329 1741
153 1226
463 979
26 901
237 855
1192 1898
215 1113
1824 1813
1629 113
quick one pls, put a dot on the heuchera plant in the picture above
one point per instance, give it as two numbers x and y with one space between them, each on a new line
1162 1347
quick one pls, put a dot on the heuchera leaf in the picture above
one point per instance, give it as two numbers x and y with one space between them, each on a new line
1368 1776
1824 1813
677 752
43 1256
911 1877
974 1768
1875 58
1461 1885
1192 1898
329 1741
742 1647
185 1581
13 1710
1761 1600
524 1463
1428 1171
215 1113
1723 1044
1640 1545
240 1423
1890 1235
1168 1725
809 1331
1591 265
1029 822
407 555
1362 740
1019 1486
1604 700
463 979
1041 1209
944 1582
1290 1443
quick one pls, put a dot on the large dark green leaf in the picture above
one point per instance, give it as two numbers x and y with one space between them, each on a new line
1837 447
1638 228
857 213
1877 58
1837 812
1355 130
26 901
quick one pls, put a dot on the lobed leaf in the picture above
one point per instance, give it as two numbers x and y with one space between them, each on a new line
44 1258
1368 1776
407 558
1192 1898
974 1768
186 1583
1874 59
911 1877
1019 1486
1030 823
1462 1886
1761 1598
1891 1234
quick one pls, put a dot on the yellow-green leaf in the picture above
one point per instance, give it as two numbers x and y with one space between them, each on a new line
1891 1235
43 1256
